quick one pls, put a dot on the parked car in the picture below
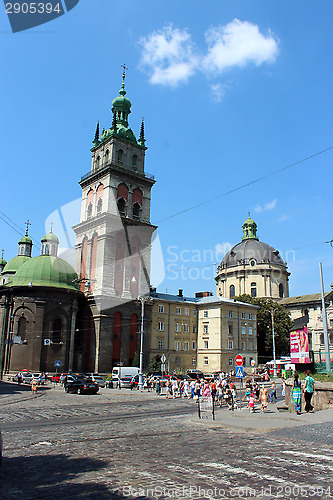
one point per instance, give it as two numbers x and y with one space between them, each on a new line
56 377
26 377
78 385
98 379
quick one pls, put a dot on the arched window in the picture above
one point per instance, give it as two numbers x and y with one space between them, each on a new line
99 205
134 161
120 155
253 289
83 269
121 206
133 337
47 249
117 320
89 210
232 291
90 199
22 327
281 291
22 250
97 161
93 259
56 331
107 152
136 211
53 250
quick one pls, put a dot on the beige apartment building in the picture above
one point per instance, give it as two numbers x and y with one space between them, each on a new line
202 332
174 323
225 328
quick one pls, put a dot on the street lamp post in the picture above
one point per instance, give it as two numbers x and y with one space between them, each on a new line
142 300
273 337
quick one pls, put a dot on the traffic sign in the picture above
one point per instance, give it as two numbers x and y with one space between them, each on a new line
163 358
47 341
162 367
239 360
253 362
57 364
239 372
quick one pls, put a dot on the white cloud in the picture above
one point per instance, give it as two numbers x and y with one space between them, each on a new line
237 44
218 91
221 249
168 55
171 58
268 206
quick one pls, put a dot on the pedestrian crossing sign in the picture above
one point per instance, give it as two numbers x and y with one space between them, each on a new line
239 372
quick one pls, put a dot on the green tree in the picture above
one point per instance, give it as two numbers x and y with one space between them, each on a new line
136 360
282 326
155 364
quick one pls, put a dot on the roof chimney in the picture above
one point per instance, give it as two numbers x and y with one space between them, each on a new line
180 292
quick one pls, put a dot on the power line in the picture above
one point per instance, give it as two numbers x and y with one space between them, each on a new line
244 185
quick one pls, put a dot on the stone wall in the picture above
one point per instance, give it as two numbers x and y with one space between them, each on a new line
321 401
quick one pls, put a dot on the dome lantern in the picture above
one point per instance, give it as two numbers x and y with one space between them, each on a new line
50 243
25 243
249 229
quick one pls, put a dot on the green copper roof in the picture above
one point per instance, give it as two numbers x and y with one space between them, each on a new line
50 237
249 229
121 108
3 262
14 264
46 271
26 239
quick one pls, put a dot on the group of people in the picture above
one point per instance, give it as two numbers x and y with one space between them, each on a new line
222 390
308 390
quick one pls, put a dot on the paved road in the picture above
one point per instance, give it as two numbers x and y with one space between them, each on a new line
119 444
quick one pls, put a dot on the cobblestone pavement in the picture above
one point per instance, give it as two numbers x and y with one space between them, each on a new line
123 444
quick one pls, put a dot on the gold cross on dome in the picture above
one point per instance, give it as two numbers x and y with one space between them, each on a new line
124 68
27 228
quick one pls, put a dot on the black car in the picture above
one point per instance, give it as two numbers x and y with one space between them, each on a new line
81 385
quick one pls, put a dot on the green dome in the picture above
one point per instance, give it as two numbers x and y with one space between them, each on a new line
3 262
26 239
46 271
50 237
121 102
14 264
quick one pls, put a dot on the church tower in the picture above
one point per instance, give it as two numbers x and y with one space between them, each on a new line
113 238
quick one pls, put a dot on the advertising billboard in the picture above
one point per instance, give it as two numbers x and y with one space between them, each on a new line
299 346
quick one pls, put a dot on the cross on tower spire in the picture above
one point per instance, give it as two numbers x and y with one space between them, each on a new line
27 228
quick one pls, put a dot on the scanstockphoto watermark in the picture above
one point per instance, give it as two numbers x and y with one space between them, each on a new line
24 15
271 491
194 264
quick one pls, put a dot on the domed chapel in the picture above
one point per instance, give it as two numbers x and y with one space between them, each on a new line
252 267
39 304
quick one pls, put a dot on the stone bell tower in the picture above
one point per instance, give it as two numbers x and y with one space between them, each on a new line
113 238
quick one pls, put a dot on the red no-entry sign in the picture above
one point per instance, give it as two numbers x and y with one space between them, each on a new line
239 360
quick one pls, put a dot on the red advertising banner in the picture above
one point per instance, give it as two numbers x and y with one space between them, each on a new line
299 346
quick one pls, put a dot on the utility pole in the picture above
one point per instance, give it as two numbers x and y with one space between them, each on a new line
273 337
323 312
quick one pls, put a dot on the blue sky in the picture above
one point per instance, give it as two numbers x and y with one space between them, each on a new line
230 91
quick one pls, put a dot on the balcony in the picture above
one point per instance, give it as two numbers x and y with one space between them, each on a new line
119 166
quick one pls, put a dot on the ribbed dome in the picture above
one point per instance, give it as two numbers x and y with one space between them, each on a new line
251 250
46 271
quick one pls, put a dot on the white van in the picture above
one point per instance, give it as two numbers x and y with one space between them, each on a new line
124 372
